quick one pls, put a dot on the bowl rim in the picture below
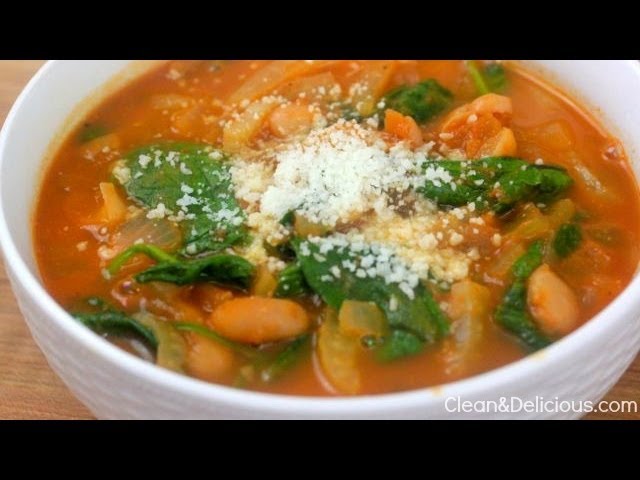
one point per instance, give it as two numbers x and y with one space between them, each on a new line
626 303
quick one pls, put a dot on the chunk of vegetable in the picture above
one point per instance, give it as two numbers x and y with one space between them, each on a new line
399 344
264 283
493 182
503 144
258 320
561 212
371 81
527 263
115 208
273 75
495 77
530 224
192 179
509 252
91 131
490 78
567 239
322 85
555 135
476 77
286 359
113 322
362 319
290 119
160 232
338 356
418 313
469 309
238 132
592 183
223 269
552 302
403 127
512 312
422 101
489 104
172 348
291 282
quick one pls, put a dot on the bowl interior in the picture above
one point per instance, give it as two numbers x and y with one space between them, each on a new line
609 89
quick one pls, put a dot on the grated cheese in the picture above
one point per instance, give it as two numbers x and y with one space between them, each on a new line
338 173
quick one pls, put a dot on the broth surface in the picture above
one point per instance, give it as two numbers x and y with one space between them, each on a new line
184 101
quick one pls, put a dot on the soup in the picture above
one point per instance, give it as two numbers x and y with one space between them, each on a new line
336 227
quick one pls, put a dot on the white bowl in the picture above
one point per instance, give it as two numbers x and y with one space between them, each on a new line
115 384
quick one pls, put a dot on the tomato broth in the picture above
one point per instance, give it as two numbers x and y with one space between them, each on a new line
393 283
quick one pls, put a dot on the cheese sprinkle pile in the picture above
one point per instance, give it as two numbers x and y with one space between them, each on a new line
350 178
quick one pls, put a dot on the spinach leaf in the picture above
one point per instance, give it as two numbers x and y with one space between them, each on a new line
529 261
567 239
398 344
422 101
495 77
286 359
492 182
221 269
346 272
490 78
477 78
192 184
291 282
91 131
169 346
288 218
112 322
512 313
172 347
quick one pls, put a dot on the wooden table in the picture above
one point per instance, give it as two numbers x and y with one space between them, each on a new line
28 387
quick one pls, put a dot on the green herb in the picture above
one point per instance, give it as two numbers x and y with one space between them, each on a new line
529 261
194 183
171 352
109 321
291 282
398 344
91 131
496 77
288 218
216 337
422 101
169 346
286 359
490 78
151 251
567 239
282 251
420 315
476 77
492 182
512 313
222 269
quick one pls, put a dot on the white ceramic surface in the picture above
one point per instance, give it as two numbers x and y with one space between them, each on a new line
114 384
